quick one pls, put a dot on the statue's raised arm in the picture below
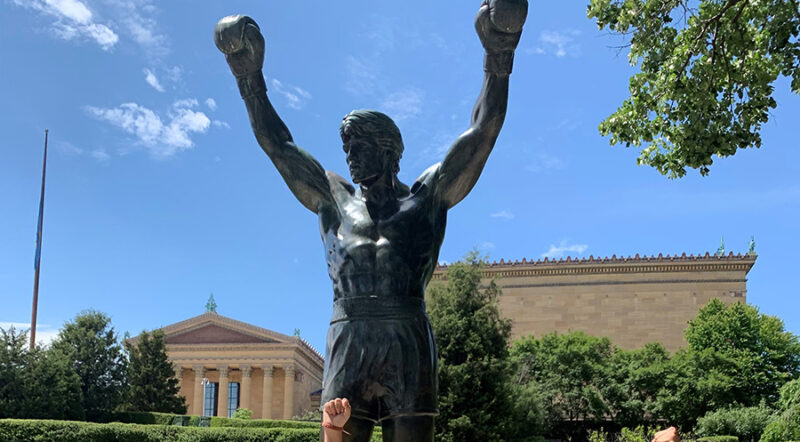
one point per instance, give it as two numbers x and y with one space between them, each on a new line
499 27
240 39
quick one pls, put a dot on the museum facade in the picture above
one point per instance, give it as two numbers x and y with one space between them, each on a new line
632 300
224 364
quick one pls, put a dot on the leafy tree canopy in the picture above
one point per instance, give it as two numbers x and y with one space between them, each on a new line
707 75
475 394
38 383
152 385
95 354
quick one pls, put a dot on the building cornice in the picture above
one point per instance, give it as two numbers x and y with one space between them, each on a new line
612 265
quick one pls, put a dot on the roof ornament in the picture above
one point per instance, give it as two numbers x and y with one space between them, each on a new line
721 249
752 250
211 305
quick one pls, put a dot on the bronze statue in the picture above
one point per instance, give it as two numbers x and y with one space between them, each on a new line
381 237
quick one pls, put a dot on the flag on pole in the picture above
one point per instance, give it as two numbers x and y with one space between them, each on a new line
37 259
38 256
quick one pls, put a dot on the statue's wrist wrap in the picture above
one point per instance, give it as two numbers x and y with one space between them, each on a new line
499 63
252 84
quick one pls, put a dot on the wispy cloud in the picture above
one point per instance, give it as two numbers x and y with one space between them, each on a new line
404 104
543 161
296 97
558 43
70 149
211 103
45 334
152 80
362 76
162 138
504 214
73 20
220 123
563 248
137 18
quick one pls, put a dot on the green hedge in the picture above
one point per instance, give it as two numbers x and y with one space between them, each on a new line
18 430
260 423
143 417
718 439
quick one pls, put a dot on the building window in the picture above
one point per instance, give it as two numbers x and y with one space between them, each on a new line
210 396
233 398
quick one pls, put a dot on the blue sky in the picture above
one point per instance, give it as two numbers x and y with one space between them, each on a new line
158 195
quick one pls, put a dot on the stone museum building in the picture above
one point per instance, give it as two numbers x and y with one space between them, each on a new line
633 300
224 364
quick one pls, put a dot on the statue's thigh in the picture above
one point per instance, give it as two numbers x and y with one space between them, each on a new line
408 429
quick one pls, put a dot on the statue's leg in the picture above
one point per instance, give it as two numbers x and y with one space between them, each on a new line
408 429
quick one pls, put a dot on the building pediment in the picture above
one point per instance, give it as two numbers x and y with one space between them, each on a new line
212 328
216 334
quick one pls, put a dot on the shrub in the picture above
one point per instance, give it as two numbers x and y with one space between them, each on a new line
142 417
68 431
786 424
747 423
718 439
242 413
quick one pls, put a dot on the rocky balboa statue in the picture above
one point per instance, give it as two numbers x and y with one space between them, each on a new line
381 237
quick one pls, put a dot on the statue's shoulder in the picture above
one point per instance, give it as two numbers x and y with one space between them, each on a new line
338 184
425 182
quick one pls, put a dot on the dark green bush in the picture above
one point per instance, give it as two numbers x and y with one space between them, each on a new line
718 439
260 423
747 423
17 430
143 417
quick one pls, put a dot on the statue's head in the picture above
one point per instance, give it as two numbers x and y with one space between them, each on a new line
372 143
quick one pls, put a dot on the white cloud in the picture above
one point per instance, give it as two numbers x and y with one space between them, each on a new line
161 138
296 97
211 103
220 123
563 248
74 20
560 44
505 214
45 334
70 149
362 76
152 80
136 18
543 161
403 105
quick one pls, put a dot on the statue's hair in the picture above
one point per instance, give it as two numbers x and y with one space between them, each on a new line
377 126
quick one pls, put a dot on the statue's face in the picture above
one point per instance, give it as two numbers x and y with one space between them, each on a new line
364 158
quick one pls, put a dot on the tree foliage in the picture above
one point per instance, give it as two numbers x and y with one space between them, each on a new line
736 357
786 423
570 371
36 384
152 385
95 355
707 75
475 395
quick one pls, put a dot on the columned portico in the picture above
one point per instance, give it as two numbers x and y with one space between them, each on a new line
277 373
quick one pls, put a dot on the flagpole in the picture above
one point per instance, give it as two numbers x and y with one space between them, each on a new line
38 257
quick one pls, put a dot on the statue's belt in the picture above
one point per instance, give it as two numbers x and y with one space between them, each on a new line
377 307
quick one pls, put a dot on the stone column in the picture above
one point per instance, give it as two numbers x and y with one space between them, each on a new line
222 404
197 400
244 392
266 393
288 392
